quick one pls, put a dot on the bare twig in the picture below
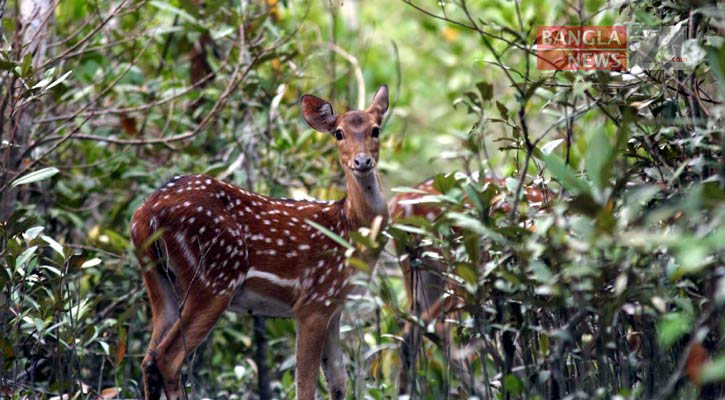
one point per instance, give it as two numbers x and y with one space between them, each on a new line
358 73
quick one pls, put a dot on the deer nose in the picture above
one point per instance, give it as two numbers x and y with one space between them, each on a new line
363 162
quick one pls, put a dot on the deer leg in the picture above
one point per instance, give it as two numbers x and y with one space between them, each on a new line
332 363
163 315
424 289
199 315
409 331
311 330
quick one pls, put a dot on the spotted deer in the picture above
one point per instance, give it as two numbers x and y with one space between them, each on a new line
424 285
206 246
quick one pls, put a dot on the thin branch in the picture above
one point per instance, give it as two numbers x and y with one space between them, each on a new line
358 73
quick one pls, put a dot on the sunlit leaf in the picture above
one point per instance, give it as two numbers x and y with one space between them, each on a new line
35 176
25 256
53 244
91 263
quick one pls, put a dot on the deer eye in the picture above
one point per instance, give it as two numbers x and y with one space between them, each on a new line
338 134
376 132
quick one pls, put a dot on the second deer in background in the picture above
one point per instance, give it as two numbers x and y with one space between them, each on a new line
423 278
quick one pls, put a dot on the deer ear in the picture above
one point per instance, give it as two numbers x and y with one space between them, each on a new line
380 101
318 113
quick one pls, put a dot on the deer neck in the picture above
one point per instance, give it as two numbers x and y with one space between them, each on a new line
365 200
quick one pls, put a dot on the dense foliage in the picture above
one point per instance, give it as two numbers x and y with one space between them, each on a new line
613 287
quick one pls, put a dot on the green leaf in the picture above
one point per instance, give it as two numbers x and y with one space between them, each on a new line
444 182
466 272
53 244
714 371
173 10
671 327
25 256
549 147
91 263
486 90
408 228
59 80
513 384
473 196
33 232
474 225
599 159
502 110
27 66
565 175
8 26
716 58
332 235
35 176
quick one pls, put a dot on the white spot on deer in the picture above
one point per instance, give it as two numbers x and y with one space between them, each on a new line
280 242
208 181
270 277
304 247
187 203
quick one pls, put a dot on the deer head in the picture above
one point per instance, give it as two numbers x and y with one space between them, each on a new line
357 134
